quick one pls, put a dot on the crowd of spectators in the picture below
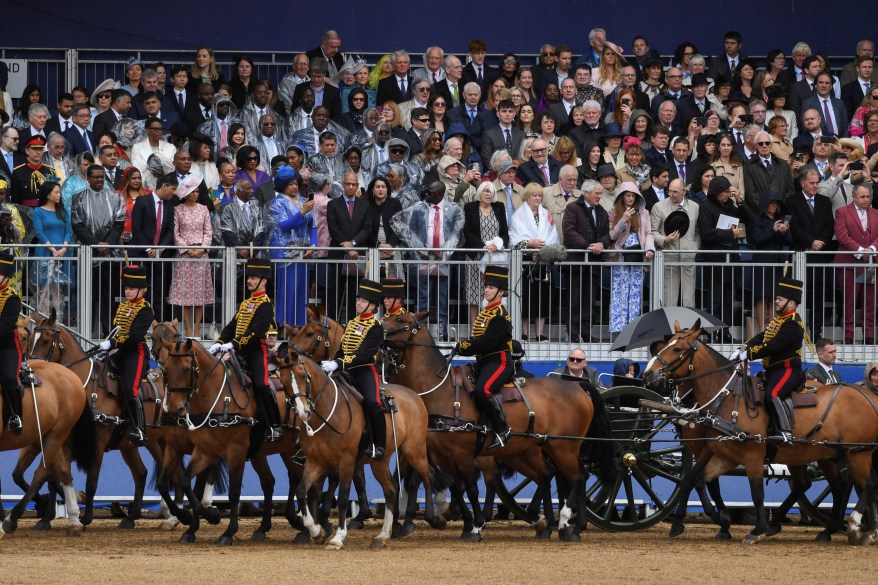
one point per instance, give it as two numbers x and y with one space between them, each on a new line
612 156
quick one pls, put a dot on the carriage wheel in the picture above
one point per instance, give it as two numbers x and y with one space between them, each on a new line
647 485
811 505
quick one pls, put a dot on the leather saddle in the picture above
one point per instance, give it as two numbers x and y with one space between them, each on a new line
345 381
510 392
106 371
803 397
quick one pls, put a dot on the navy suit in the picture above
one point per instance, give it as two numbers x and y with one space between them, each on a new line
852 96
474 127
530 172
77 144
55 125
806 227
139 113
842 120
143 224
341 284
388 89
17 159
331 99
489 74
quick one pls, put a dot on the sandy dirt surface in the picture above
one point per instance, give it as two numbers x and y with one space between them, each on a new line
508 555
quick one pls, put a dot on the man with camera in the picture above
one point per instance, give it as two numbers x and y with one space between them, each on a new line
837 186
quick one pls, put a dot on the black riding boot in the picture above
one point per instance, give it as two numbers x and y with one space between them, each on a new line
13 395
376 432
275 431
784 432
138 422
494 410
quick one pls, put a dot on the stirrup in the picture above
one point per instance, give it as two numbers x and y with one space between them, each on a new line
273 434
137 436
14 424
373 452
500 439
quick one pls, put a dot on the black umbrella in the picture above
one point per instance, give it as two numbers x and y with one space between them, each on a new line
658 324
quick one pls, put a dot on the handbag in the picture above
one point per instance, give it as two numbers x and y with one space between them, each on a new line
632 256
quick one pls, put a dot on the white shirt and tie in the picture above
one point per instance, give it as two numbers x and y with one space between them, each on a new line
180 96
435 223
659 193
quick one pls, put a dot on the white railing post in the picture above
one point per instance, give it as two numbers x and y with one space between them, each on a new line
516 276
84 272
71 68
230 281
657 284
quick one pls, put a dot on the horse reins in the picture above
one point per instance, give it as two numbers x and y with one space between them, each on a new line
412 331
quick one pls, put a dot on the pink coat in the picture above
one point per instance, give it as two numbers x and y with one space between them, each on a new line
619 231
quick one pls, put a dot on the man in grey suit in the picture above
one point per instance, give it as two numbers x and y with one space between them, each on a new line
677 234
823 372
577 367
503 137
835 116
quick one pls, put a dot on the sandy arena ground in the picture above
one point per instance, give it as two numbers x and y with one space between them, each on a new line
508 555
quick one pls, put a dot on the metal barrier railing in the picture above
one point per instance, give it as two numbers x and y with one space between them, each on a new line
574 302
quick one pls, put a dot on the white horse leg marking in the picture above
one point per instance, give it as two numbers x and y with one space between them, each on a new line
340 534
72 505
564 514
440 502
207 496
387 525
308 521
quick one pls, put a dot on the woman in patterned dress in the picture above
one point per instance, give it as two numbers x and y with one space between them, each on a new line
191 284
484 227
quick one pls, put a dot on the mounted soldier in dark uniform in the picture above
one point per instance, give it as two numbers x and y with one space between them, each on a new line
246 335
393 291
491 343
360 344
780 348
133 320
10 345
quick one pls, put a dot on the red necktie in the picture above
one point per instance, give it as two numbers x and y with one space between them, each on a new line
546 175
437 227
351 208
158 224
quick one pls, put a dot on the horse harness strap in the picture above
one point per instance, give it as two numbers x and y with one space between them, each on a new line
517 384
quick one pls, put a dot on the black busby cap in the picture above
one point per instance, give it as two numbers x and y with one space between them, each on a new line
393 287
258 267
497 276
790 288
134 276
370 290
7 264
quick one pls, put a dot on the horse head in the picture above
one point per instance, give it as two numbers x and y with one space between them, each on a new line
296 379
675 360
318 339
179 364
46 343
398 329
165 331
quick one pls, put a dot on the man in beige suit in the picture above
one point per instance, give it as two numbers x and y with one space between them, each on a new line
679 232
558 196
508 191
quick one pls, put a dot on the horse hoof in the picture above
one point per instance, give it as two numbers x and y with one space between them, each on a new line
723 534
569 535
74 531
86 520
377 543
773 530
212 515
854 535
187 538
224 541
868 538
437 522
10 526
126 524
471 537
540 525
320 538
545 534
302 538
169 524
355 525
333 545
823 537
676 530
753 538
407 529
42 525
258 536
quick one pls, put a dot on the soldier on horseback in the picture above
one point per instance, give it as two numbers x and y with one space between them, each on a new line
246 335
780 347
393 290
10 346
490 342
133 320
360 344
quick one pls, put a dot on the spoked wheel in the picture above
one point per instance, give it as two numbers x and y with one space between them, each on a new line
812 505
649 470
508 489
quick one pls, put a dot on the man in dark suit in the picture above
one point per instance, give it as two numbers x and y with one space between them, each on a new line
468 113
38 115
329 49
682 166
109 160
62 121
658 189
561 111
324 94
152 107
809 129
765 173
852 93
178 92
119 107
539 165
586 229
476 71
695 103
823 371
199 110
835 116
590 131
420 121
152 224
505 136
9 155
81 139
724 65
802 90
150 82
812 227
674 91
350 226
451 87
396 87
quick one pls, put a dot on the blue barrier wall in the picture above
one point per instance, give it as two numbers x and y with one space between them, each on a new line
393 24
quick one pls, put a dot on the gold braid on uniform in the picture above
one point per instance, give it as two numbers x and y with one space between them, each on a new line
773 327
353 337
125 315
4 296
37 178
480 325
246 310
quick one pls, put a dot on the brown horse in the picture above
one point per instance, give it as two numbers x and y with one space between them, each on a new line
58 423
333 446
563 412
845 417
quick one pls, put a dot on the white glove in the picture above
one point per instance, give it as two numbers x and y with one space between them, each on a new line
329 366
214 349
743 357
735 355
106 345
227 347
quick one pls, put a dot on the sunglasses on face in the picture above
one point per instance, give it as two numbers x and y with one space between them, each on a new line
764 143
575 360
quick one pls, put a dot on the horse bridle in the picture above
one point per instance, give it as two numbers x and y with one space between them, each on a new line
306 396
194 374
56 342
323 336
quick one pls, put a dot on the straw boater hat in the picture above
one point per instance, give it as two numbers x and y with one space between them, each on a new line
370 290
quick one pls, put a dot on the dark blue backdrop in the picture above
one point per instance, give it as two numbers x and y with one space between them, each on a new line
392 24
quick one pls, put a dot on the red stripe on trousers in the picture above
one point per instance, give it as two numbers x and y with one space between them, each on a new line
265 363
782 381
18 350
377 385
496 375
136 389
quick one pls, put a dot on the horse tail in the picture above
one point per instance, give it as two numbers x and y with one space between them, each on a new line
504 470
84 439
599 456
218 476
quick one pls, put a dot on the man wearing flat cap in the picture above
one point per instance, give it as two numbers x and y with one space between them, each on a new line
780 348
675 228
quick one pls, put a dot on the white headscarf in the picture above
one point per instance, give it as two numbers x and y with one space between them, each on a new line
524 227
